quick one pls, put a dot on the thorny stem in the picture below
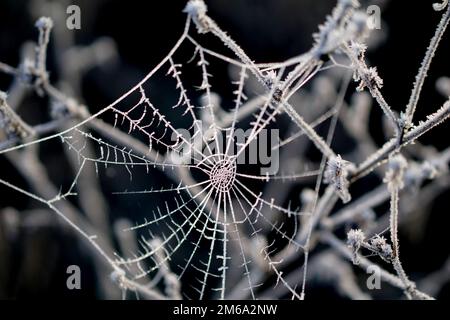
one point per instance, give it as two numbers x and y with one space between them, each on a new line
45 25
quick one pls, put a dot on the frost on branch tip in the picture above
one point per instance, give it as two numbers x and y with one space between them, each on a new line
355 238
343 25
336 174
394 175
359 49
371 74
118 276
197 10
44 23
367 76
381 246
440 6
11 122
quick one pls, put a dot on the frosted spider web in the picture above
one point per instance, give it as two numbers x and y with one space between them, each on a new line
167 155
212 226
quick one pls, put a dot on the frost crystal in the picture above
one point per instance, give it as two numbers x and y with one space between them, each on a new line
336 174
395 173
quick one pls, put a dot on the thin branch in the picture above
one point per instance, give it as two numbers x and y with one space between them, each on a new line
382 154
426 62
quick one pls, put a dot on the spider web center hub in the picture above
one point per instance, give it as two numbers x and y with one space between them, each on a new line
223 174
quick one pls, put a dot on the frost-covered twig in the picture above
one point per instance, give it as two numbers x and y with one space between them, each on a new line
364 263
382 154
44 25
197 10
12 122
394 180
369 78
426 62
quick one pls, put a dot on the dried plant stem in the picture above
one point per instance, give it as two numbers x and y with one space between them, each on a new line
310 132
362 68
408 285
79 228
45 25
423 71
364 263
382 154
14 123
5 68
395 182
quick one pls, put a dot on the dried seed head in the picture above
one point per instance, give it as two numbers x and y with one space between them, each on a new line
355 238
118 276
380 245
368 77
336 174
440 6
395 173
197 10
359 49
